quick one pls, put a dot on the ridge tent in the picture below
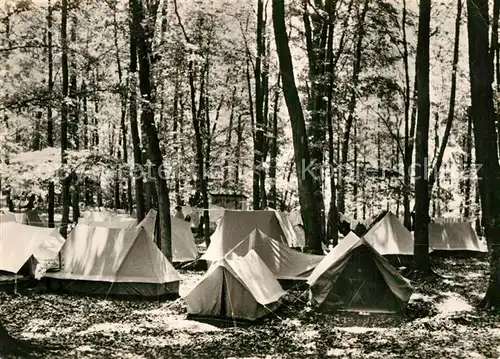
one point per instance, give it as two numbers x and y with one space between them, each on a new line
29 217
20 244
184 248
118 222
235 288
355 277
389 237
290 234
237 225
453 238
100 260
283 261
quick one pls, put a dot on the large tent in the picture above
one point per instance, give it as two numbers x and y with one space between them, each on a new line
21 244
183 245
237 225
283 261
389 237
100 260
355 277
236 288
114 222
455 237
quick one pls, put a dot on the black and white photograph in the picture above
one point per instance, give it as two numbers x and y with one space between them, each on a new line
249 179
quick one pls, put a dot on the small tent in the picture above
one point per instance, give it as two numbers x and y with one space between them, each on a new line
283 261
355 277
389 237
455 237
184 248
116 261
237 225
20 244
236 288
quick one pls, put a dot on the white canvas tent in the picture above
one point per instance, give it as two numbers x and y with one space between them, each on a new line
100 260
355 277
283 261
184 248
20 243
459 236
29 217
389 237
237 225
114 222
236 288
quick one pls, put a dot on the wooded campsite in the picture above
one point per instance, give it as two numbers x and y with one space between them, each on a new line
252 178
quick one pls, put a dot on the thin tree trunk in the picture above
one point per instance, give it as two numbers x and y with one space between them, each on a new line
229 134
312 219
352 107
421 246
66 200
74 121
50 122
453 91
237 153
273 200
468 165
332 223
407 154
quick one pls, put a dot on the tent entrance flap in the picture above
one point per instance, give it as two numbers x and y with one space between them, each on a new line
361 287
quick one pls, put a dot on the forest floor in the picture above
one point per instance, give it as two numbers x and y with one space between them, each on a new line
441 322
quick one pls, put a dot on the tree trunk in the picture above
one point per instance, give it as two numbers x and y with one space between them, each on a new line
406 155
50 122
274 149
453 91
229 134
332 222
74 122
421 246
134 129
237 153
259 110
310 211
147 119
468 166
352 106
66 200
483 116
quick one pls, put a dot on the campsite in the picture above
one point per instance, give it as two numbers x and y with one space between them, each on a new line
249 179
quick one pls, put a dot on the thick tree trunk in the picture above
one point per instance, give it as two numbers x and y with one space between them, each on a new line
483 116
66 200
147 119
134 129
309 209
50 122
421 246
453 91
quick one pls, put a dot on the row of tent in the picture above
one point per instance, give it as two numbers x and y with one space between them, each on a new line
249 254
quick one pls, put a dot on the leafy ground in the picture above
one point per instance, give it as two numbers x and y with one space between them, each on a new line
441 322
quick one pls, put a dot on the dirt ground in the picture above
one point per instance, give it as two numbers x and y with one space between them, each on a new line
441 322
